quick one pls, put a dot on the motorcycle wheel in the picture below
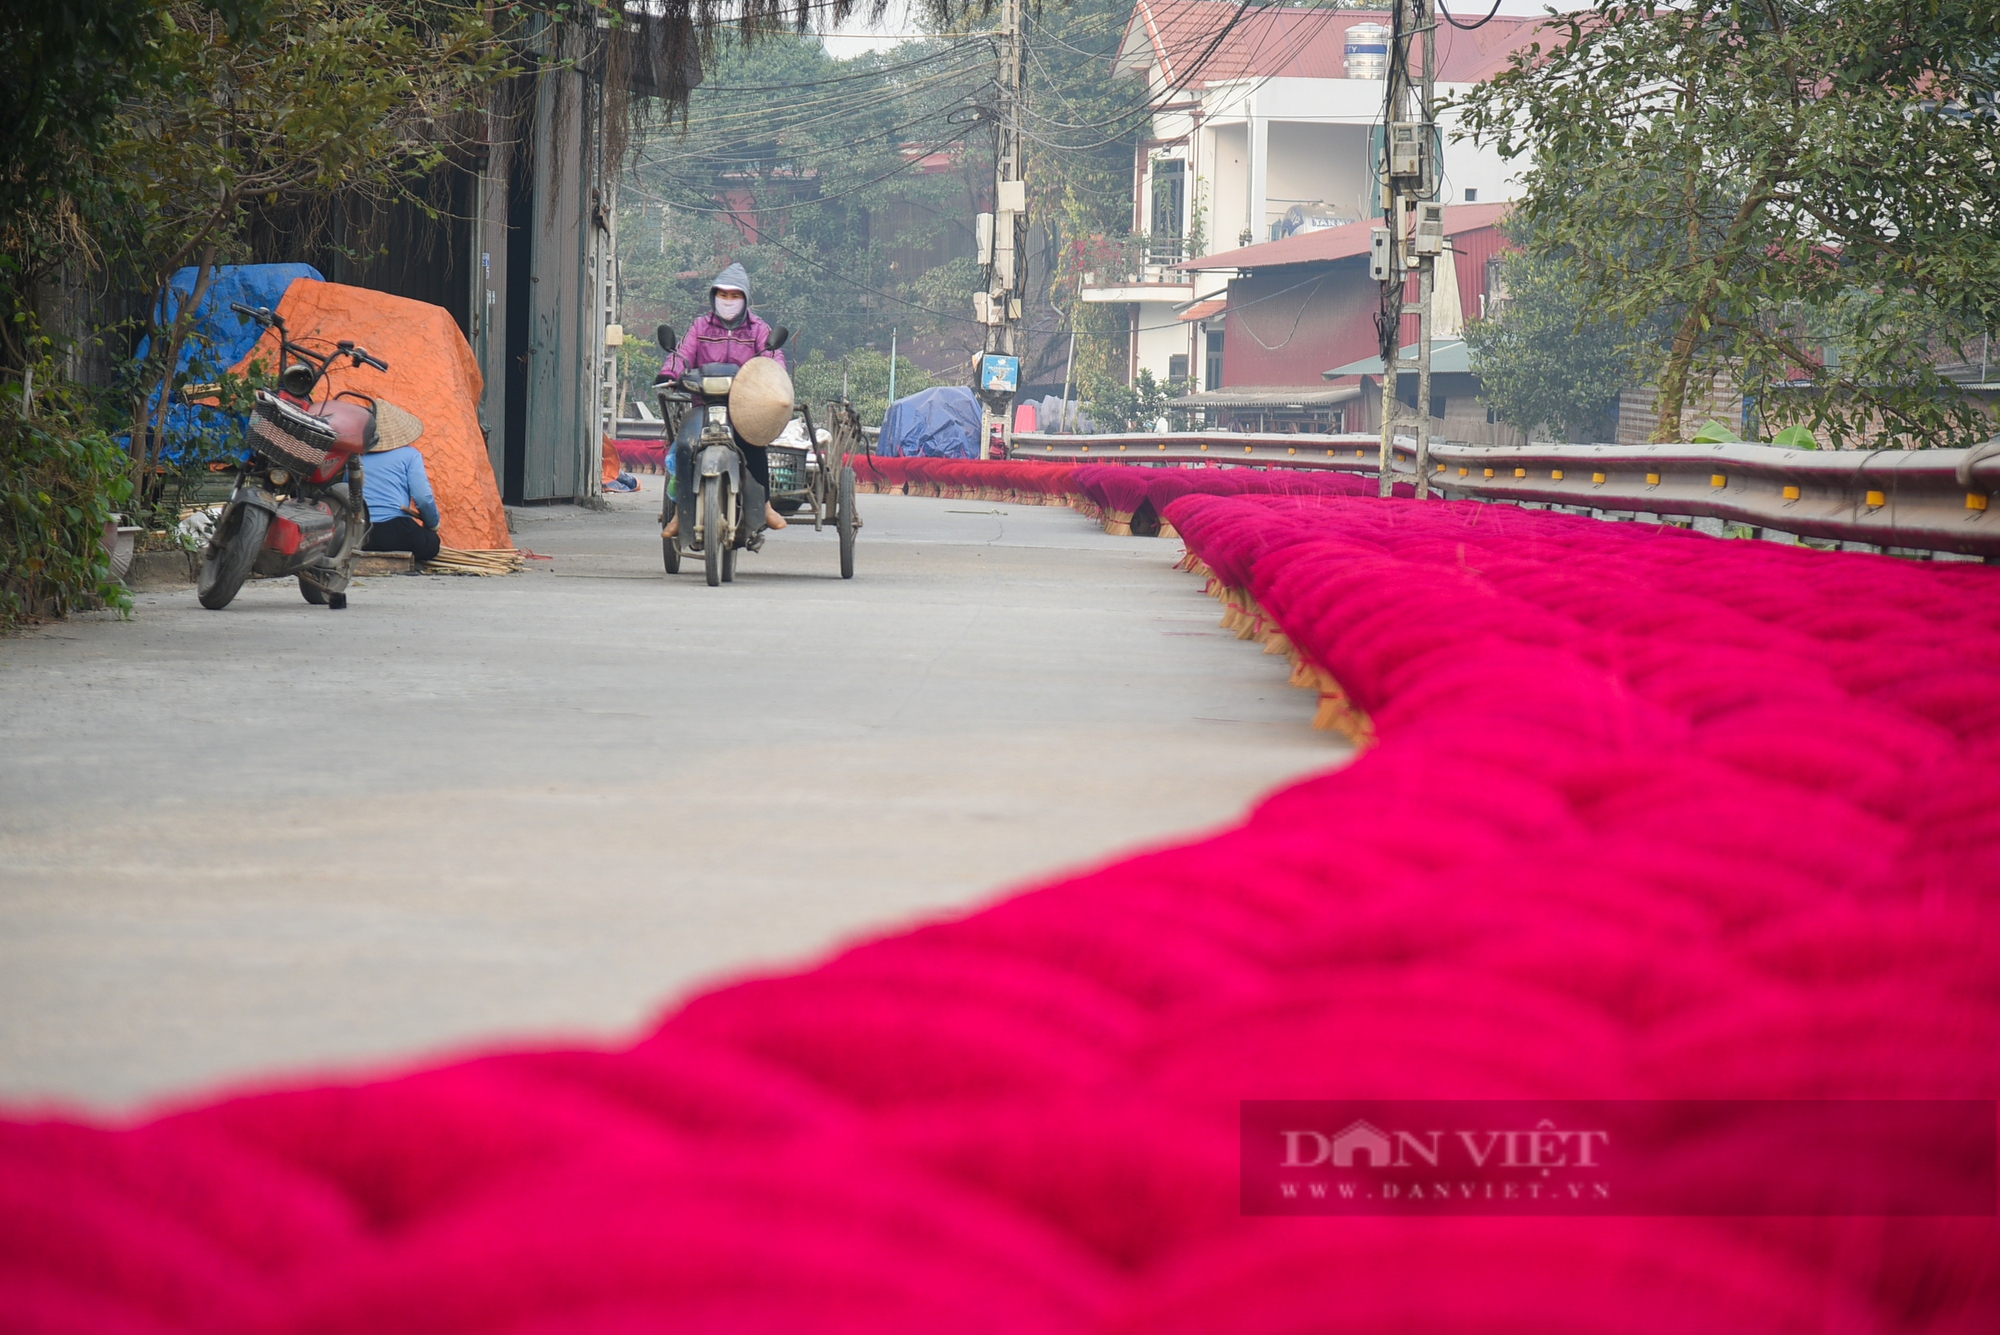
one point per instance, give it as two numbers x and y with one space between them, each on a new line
670 548
312 592
846 523
713 543
225 567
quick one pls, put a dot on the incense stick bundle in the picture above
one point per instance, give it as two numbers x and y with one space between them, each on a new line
498 561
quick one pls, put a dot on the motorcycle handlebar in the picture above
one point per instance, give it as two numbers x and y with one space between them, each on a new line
363 355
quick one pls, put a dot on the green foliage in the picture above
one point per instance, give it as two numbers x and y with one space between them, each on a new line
1116 406
1804 189
138 135
1548 358
852 240
1082 129
816 158
324 96
818 380
61 477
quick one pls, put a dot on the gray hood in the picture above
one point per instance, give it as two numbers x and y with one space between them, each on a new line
732 275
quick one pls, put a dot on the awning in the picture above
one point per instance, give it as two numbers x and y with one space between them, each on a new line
1449 356
1203 310
1268 396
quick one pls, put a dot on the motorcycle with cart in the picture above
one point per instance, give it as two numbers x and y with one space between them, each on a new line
723 512
296 507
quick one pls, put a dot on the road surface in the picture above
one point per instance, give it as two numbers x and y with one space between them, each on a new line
278 841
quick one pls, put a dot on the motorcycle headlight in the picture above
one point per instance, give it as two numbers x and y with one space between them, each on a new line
716 384
280 478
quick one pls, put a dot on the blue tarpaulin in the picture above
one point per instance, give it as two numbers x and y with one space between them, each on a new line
218 338
941 423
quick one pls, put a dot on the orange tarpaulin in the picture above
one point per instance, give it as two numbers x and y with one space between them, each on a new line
431 373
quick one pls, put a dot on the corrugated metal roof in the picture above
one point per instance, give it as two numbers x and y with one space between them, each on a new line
1181 36
1202 310
1337 243
1449 356
1268 396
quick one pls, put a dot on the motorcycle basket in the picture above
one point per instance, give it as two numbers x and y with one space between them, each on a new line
287 436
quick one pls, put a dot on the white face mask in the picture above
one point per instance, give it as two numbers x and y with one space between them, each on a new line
728 307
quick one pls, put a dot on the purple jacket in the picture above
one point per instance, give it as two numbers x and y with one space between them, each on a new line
710 340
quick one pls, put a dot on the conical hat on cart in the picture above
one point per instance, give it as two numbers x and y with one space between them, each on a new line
760 401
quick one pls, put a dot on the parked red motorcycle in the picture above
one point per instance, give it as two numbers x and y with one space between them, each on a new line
297 508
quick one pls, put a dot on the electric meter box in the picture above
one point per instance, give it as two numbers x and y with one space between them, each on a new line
1378 254
983 236
1406 149
1429 239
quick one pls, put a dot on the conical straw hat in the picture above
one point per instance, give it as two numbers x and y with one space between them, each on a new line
395 427
760 402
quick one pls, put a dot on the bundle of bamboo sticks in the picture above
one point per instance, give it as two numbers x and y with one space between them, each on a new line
497 561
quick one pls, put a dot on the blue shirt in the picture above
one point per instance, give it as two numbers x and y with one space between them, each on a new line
393 479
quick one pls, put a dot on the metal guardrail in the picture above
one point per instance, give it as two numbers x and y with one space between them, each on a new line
1913 500
1896 500
1348 453
639 428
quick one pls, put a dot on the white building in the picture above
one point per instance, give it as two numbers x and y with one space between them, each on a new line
1262 130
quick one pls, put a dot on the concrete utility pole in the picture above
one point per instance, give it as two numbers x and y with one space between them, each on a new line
1412 236
1003 234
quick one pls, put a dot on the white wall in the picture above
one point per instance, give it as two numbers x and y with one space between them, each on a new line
1318 146
1228 173
1317 161
1161 335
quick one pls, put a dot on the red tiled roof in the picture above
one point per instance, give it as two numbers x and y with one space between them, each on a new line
1291 43
1201 310
1338 243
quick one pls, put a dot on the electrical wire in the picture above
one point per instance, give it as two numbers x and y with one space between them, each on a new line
704 89
1445 14
844 150
761 209
857 284
832 105
1155 102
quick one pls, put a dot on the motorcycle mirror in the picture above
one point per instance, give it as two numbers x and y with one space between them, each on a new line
778 337
665 334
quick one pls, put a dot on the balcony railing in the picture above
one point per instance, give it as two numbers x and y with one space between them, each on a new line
1130 261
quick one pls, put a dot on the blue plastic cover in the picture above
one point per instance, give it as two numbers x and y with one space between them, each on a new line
941 423
218 338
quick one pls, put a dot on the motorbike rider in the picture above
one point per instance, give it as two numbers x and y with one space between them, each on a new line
727 332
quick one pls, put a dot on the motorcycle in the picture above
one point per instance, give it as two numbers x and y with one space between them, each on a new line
297 507
724 513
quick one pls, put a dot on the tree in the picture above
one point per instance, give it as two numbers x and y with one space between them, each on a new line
1807 191
807 169
65 70
863 376
325 96
1082 127
844 171
1547 357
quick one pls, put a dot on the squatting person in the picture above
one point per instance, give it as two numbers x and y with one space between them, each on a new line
402 511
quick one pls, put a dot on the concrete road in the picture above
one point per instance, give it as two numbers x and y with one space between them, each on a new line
279 840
